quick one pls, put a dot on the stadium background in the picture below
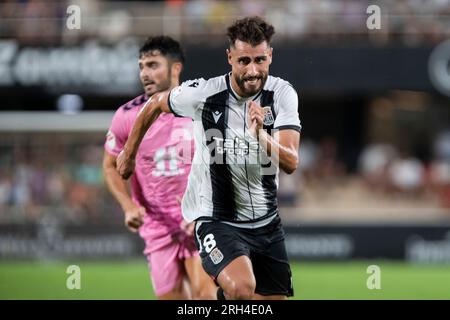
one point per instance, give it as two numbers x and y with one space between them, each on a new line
373 187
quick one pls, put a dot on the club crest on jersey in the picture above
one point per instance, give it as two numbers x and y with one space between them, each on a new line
268 116
216 256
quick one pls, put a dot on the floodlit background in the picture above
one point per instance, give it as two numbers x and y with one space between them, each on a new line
373 187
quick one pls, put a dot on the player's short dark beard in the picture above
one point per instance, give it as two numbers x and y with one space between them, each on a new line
165 84
240 81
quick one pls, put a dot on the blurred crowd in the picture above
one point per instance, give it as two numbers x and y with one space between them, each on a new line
405 22
385 174
42 177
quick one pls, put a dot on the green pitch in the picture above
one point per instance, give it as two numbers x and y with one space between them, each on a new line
130 280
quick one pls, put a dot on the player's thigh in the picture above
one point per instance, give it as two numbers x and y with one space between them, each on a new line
239 272
167 272
201 284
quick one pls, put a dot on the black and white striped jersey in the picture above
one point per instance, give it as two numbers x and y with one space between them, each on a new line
231 177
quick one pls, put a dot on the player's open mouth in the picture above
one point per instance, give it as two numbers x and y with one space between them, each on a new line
252 81
147 84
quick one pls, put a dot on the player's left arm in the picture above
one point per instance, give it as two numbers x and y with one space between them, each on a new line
282 148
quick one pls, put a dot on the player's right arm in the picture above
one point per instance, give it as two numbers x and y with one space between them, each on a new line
148 114
184 101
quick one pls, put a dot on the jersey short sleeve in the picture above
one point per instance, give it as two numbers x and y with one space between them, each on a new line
186 99
117 134
286 109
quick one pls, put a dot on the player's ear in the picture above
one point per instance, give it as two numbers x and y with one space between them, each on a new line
270 55
229 56
177 67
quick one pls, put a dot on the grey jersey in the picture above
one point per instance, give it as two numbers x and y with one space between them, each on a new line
231 177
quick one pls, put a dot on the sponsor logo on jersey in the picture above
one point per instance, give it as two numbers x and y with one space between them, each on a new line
194 84
216 115
235 146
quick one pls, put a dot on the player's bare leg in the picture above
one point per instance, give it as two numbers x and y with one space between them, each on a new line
237 279
180 292
202 286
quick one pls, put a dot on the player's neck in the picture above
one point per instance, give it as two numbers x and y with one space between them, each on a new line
174 82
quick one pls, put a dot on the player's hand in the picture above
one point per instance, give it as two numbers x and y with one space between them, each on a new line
188 227
134 218
255 117
125 164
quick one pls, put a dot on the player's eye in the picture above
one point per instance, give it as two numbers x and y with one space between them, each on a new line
244 61
152 65
260 59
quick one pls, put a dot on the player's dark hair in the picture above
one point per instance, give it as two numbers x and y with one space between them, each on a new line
253 30
167 46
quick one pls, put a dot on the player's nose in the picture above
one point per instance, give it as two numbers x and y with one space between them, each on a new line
145 73
252 70
144 76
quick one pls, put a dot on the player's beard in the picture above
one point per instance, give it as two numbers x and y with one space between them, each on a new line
163 85
249 90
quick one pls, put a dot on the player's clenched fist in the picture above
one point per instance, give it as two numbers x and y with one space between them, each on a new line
256 117
125 165
188 227
134 218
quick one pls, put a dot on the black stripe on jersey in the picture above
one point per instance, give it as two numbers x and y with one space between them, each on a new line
223 199
296 128
242 222
246 172
230 91
227 81
267 101
257 96
268 181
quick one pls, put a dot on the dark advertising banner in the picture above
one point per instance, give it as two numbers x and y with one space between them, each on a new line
49 240
93 68
424 244
90 67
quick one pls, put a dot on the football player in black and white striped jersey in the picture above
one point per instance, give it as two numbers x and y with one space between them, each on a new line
246 127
